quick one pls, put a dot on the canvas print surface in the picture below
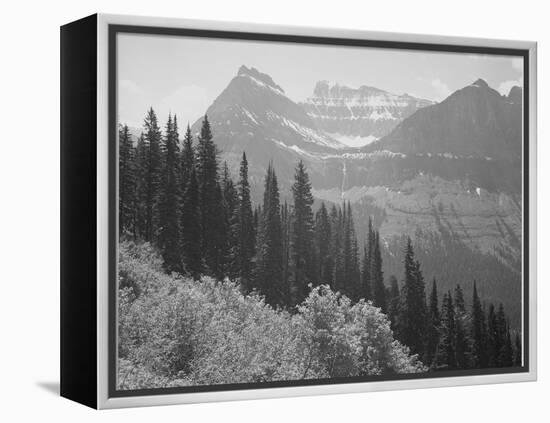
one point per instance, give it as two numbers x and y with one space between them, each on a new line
290 212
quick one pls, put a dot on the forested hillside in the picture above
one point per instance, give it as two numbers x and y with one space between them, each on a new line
292 273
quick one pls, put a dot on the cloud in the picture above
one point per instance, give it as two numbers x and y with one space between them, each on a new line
442 91
517 63
129 87
188 102
505 87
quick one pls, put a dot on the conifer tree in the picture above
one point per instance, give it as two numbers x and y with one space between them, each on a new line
169 199
187 158
336 247
393 302
493 341
191 228
366 282
286 222
302 234
478 332
446 354
322 245
462 342
230 216
141 164
270 261
413 314
127 182
377 276
153 169
433 326
506 356
209 200
244 229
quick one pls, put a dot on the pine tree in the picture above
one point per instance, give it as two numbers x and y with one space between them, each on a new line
366 282
191 228
413 314
377 276
127 182
270 261
446 354
493 341
462 342
478 332
322 245
187 158
209 200
393 302
433 326
230 216
506 356
286 222
153 173
244 229
141 165
336 248
302 234
170 199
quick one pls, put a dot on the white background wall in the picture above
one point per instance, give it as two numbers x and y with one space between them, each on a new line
29 192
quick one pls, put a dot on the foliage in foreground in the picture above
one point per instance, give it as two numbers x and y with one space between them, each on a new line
174 331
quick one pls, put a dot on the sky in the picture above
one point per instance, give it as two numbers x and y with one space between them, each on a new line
184 75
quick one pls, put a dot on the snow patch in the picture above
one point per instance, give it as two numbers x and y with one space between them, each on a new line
353 140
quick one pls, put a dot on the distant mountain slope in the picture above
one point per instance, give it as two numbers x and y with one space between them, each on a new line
358 116
475 121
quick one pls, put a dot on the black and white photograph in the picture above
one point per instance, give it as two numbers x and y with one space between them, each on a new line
294 212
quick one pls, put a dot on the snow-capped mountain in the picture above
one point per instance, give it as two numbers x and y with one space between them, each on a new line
358 116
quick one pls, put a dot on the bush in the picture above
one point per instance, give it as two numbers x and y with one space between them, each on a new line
177 332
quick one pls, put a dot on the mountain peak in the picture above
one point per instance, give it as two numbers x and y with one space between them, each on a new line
258 76
480 83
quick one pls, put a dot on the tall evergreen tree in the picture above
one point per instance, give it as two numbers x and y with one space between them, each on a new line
366 282
462 341
244 229
412 318
230 217
478 332
169 199
153 174
493 338
270 261
322 245
302 234
191 228
393 302
209 200
377 276
141 191
446 353
336 248
187 158
127 182
506 356
433 326
286 230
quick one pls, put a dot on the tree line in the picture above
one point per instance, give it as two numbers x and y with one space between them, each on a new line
183 201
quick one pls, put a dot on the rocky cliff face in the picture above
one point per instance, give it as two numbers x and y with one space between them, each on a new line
447 174
358 116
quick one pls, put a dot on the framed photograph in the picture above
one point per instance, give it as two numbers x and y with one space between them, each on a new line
254 211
